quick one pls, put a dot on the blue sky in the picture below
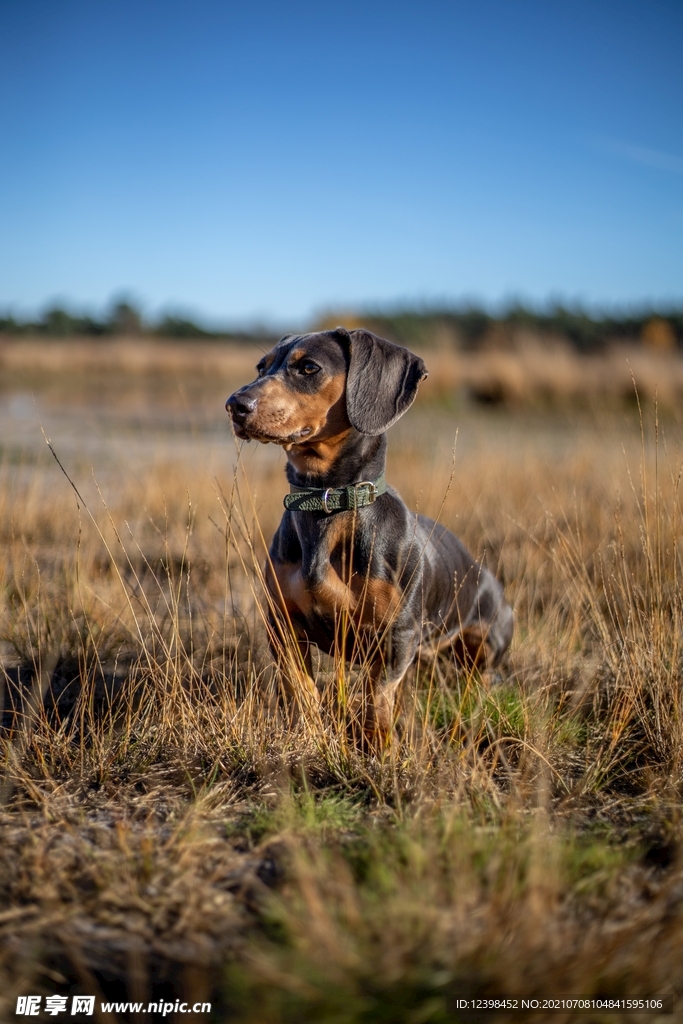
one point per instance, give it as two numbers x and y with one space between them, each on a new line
266 160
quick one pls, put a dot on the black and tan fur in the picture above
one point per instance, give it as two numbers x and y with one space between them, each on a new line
404 581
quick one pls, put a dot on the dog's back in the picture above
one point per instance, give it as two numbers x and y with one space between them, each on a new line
463 604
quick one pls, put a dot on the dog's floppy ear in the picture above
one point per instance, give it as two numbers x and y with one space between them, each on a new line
382 382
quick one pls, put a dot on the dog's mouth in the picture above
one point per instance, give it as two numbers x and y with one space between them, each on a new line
253 434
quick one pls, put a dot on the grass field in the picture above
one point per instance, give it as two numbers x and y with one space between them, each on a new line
169 833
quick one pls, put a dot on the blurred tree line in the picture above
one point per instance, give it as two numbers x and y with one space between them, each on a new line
466 327
473 327
122 320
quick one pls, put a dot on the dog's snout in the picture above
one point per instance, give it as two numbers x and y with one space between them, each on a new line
240 405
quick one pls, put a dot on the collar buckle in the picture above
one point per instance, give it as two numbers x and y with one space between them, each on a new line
372 490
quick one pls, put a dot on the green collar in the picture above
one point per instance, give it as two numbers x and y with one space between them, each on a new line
334 499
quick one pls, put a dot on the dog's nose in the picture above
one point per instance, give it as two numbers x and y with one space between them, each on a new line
239 406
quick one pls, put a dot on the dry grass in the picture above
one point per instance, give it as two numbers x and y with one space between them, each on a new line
167 827
520 369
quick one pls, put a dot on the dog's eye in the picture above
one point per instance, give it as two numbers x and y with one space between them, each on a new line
309 367
261 369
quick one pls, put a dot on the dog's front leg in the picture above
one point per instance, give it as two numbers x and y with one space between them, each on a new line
386 672
291 650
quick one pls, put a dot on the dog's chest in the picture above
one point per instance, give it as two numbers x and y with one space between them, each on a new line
324 583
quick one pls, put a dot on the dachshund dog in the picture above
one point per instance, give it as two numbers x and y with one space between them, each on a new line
347 542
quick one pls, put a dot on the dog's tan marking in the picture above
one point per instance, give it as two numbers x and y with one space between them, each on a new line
277 409
378 601
369 602
283 412
331 428
288 588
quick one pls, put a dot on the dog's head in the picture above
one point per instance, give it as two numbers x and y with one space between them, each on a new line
314 386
